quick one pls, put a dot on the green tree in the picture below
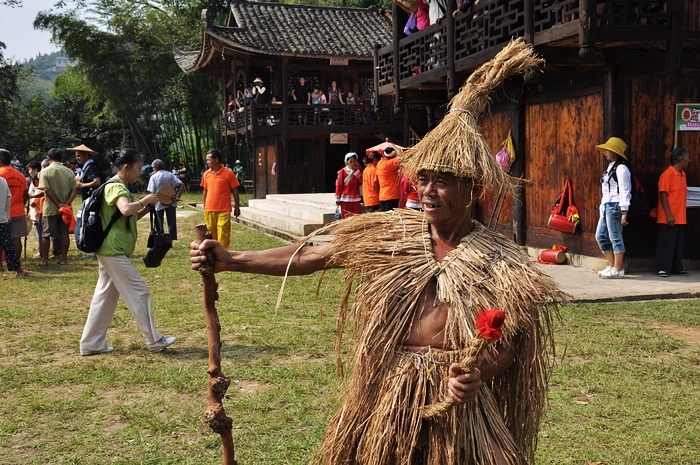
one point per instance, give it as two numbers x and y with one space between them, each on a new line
10 74
128 62
35 128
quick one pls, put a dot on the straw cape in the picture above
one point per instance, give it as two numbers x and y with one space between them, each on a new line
379 422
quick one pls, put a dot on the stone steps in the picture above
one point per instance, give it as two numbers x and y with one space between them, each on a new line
289 216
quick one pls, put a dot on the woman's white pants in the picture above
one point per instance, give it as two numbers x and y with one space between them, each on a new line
117 276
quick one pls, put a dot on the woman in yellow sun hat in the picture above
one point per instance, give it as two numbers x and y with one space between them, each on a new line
617 194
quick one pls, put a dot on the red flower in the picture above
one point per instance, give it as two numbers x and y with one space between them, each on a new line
489 322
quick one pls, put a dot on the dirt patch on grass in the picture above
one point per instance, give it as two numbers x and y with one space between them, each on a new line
249 387
689 335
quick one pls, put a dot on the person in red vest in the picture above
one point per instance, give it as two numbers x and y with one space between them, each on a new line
347 187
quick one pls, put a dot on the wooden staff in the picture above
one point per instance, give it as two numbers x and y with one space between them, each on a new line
215 415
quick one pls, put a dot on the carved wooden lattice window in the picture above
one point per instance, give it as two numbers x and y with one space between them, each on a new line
385 65
299 152
365 86
427 50
312 79
487 25
549 13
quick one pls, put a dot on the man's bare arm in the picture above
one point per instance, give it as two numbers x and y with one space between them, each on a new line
307 260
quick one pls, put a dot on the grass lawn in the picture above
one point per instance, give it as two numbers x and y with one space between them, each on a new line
625 389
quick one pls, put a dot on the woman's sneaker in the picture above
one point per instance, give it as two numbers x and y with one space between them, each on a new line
161 344
612 273
604 270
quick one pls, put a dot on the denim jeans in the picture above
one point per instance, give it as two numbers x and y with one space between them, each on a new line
609 231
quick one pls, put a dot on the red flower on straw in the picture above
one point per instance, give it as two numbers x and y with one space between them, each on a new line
489 322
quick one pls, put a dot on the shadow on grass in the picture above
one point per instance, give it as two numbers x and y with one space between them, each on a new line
240 353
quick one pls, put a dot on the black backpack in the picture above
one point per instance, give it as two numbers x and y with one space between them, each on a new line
91 234
639 203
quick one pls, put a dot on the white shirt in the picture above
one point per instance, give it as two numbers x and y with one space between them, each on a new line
163 178
610 187
5 200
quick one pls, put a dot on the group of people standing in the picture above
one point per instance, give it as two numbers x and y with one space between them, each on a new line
379 187
617 184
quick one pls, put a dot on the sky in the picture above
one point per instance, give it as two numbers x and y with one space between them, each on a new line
22 41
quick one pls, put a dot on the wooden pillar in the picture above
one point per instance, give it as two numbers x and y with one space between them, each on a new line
375 87
586 40
613 124
517 129
529 15
283 147
674 47
396 35
452 86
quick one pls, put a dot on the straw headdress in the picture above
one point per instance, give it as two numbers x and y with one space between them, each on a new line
456 145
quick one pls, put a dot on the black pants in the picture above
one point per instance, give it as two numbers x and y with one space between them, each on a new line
669 248
169 213
387 205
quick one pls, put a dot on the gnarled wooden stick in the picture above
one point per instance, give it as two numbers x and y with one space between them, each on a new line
215 415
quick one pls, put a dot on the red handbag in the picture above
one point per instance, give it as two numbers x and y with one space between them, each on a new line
564 217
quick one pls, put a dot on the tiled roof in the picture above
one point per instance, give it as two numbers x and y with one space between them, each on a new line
298 30
185 60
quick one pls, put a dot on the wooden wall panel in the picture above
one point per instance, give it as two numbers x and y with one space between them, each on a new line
691 16
561 139
495 129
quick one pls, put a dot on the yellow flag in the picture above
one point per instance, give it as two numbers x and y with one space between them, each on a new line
508 144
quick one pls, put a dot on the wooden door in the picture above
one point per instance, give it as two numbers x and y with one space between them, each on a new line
260 160
273 167
561 137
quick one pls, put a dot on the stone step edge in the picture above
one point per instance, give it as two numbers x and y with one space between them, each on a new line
251 214
260 204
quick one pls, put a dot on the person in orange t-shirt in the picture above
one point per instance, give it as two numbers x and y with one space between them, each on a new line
219 183
671 215
389 180
17 183
370 183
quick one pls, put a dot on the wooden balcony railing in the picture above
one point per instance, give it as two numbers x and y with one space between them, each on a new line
272 118
485 28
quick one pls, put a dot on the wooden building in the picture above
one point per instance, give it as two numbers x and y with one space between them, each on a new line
613 68
298 148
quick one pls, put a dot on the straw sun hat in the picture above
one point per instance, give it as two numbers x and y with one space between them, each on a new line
82 148
615 145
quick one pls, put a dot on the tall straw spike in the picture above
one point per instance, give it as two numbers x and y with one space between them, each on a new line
456 145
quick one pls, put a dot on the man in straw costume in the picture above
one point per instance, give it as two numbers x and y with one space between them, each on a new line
421 279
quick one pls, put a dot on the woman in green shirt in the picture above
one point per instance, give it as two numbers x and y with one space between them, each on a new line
117 274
